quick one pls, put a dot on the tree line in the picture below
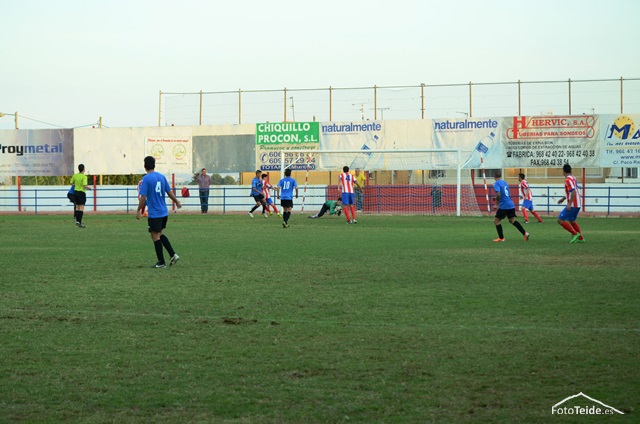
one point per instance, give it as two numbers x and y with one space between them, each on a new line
132 179
216 179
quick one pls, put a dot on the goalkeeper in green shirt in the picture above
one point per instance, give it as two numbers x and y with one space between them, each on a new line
332 206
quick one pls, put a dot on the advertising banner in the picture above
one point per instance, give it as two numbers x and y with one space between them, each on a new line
550 141
173 153
363 136
475 137
36 152
274 137
117 151
620 141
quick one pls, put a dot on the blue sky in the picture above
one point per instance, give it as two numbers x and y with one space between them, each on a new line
66 63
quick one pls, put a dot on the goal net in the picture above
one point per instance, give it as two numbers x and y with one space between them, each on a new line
416 182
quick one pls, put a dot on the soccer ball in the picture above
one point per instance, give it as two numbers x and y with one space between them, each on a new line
338 209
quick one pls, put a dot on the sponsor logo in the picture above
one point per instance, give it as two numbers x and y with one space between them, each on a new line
622 139
459 125
284 127
351 127
157 151
287 133
623 128
179 152
27 150
535 127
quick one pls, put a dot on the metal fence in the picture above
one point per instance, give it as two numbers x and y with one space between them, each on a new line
423 101
597 199
222 199
601 199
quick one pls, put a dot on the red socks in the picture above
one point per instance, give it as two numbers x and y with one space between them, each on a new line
576 227
536 215
568 227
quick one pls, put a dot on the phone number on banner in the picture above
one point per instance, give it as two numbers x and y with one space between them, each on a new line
530 158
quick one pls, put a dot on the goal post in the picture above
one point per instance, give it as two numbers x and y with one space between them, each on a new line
409 181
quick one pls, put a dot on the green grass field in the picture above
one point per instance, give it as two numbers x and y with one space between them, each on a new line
395 320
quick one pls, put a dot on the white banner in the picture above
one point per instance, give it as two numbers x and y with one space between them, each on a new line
550 141
359 135
173 153
118 151
620 141
475 137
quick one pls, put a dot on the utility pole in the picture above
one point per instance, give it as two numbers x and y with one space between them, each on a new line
293 109
382 109
15 117
361 108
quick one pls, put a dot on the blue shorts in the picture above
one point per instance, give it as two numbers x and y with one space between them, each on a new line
571 215
527 204
269 201
347 199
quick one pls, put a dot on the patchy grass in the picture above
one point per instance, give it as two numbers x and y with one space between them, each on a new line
395 319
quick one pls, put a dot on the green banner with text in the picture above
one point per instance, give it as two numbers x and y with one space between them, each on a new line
279 133
274 137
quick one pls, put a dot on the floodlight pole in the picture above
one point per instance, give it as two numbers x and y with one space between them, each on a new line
458 182
160 110
15 117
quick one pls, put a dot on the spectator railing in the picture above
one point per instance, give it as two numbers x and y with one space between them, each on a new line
601 199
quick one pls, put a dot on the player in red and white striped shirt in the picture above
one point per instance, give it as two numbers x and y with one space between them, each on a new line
527 200
347 182
266 188
569 215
